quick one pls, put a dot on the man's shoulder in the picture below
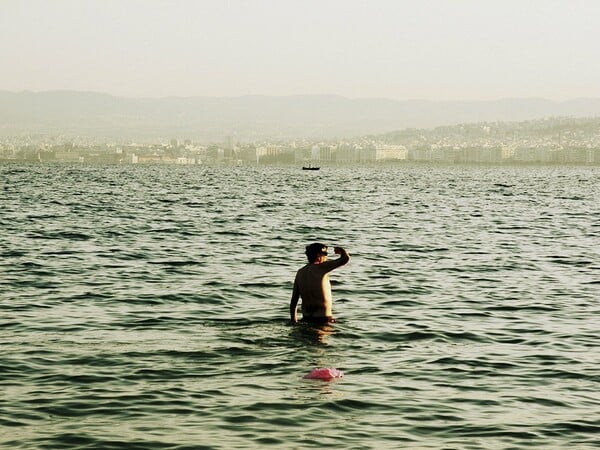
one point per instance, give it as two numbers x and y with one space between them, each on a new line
303 268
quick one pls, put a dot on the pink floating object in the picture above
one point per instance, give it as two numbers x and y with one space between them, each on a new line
325 373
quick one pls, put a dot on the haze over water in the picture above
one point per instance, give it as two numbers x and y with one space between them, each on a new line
146 307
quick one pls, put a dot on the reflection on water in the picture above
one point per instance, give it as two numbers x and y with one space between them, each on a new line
312 334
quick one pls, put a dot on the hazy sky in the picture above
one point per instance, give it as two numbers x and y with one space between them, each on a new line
401 49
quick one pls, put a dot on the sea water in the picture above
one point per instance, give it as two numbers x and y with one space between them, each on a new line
146 307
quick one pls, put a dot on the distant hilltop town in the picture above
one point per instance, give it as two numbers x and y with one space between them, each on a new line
544 141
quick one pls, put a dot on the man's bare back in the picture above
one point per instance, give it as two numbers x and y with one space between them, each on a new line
313 287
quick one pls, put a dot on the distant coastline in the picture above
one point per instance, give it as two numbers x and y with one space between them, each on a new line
550 141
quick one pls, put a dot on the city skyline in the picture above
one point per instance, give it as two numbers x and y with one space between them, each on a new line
430 50
548 141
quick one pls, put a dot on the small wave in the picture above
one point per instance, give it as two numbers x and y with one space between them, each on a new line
348 405
513 308
231 233
13 253
581 426
570 261
178 263
451 431
575 197
403 303
84 440
551 372
544 402
440 336
59 235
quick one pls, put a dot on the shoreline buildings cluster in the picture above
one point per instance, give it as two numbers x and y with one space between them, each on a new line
547 141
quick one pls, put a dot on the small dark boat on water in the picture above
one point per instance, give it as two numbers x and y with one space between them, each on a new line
309 167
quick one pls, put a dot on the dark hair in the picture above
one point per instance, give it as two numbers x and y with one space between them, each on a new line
314 250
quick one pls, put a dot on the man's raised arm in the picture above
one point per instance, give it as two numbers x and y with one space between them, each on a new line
342 260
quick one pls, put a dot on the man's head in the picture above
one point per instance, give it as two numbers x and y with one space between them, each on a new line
315 251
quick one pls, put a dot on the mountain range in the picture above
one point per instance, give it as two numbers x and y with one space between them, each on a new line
254 118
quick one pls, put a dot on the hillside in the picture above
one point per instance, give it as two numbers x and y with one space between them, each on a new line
251 118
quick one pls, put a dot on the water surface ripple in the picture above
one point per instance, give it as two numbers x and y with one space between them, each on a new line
145 307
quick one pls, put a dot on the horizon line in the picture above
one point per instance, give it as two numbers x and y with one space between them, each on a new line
288 96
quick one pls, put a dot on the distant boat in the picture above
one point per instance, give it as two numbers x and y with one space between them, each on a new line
310 167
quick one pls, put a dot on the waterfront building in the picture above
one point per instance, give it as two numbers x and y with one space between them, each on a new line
383 152
347 153
444 154
420 153
527 154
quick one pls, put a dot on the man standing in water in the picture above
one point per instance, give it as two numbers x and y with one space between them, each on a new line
313 286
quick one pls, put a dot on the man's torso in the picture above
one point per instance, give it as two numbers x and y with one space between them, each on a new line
315 291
